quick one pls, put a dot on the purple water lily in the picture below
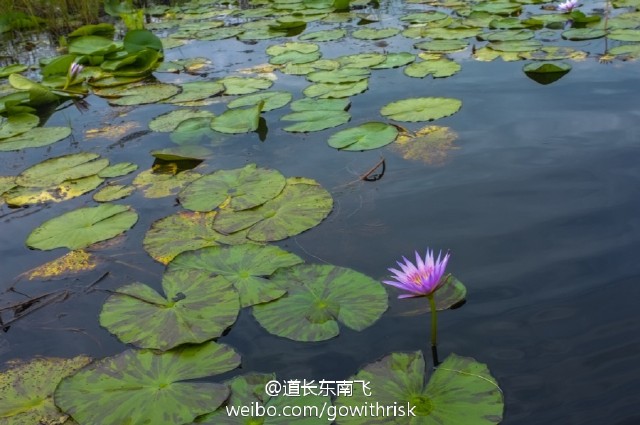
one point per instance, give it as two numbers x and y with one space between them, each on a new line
420 279
74 70
567 6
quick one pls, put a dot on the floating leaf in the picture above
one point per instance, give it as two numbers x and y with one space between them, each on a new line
625 35
302 105
112 390
361 60
238 189
241 85
395 60
247 267
460 391
438 68
424 17
54 171
26 390
429 144
325 35
118 170
549 53
83 227
35 138
70 264
17 124
515 46
169 122
156 185
450 33
336 91
141 95
194 308
442 45
15 68
182 153
318 298
452 293
344 75
272 100
375 33
196 90
310 119
7 183
113 192
509 35
193 131
371 135
185 231
301 205
92 45
69 189
421 108
583 34
293 52
239 120
249 390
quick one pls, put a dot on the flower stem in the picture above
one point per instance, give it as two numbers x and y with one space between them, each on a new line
434 320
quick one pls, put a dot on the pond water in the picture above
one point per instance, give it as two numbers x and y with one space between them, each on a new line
536 198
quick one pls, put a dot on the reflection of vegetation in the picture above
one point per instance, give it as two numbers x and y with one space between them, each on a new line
57 16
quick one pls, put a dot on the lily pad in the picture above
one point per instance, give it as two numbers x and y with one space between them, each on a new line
430 144
54 171
375 33
193 131
21 196
272 100
71 264
344 75
247 267
142 95
625 35
583 34
182 153
395 60
437 68
442 45
35 138
460 391
239 120
83 227
113 192
7 183
17 124
15 68
118 170
318 298
169 122
322 114
325 35
371 135
361 60
249 390
515 46
451 294
185 231
242 85
196 90
546 67
301 205
549 53
156 185
293 52
238 189
421 108
194 308
26 390
336 91
113 389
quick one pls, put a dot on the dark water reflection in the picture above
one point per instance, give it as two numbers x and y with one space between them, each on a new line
539 204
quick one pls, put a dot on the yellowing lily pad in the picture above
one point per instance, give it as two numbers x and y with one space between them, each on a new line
421 108
157 185
430 144
113 192
54 171
72 263
69 189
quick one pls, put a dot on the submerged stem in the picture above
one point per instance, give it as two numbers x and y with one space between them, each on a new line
434 320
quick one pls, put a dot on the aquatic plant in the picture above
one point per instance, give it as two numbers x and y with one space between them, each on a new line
567 6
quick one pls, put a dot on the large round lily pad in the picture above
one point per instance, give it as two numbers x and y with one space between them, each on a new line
245 266
145 387
430 144
421 108
336 91
169 122
272 100
301 205
26 390
241 188
157 185
249 390
17 124
83 227
460 391
185 231
142 95
371 135
239 120
68 189
194 308
344 75
196 90
437 68
54 171
306 121
240 85
318 298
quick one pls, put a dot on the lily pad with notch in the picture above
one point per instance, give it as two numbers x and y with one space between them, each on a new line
244 85
272 100
112 390
318 298
421 108
35 138
238 120
169 122
371 135
440 68
54 171
145 94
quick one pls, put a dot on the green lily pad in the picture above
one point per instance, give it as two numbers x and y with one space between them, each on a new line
26 390
325 35
182 153
142 95
583 34
318 298
35 138
272 100
194 308
113 192
118 170
336 91
112 390
625 35
307 121
375 33
486 54
92 45
15 68
156 185
421 108
499 7
515 46
451 293
307 68
21 196
508 35
429 144
17 124
460 391
238 189
140 39
246 267
192 131
7 183
169 122
293 52
303 105
442 45
249 390
241 85
344 75
396 60
361 60
185 231
440 68
83 227
196 90
54 171
550 53
239 120
371 135
219 33
301 205
451 33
